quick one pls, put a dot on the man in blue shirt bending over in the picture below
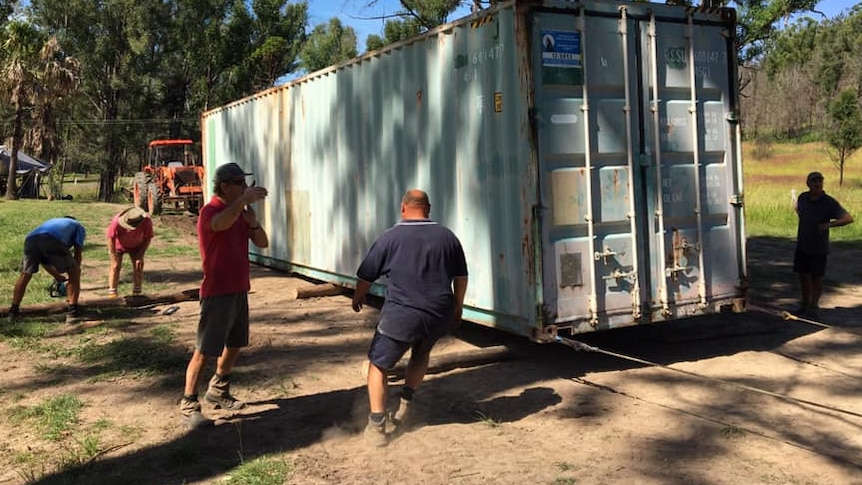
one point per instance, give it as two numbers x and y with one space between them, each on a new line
427 280
49 245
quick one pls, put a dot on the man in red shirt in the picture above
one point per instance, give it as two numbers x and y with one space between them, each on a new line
225 226
130 232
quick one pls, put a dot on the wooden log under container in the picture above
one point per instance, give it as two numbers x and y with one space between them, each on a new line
313 291
106 302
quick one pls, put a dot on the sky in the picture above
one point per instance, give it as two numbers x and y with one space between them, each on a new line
364 19
357 13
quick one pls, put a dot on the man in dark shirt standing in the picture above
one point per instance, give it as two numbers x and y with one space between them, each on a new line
817 213
427 274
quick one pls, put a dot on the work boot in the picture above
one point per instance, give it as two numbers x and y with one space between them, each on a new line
375 433
73 315
401 416
190 409
218 393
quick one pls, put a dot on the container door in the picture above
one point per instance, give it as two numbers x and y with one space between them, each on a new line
636 170
692 173
585 118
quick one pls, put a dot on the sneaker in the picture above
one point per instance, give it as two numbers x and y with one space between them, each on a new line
190 409
14 317
375 434
401 416
74 316
112 293
813 312
218 393
136 291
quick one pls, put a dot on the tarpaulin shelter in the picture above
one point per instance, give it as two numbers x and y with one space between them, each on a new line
31 170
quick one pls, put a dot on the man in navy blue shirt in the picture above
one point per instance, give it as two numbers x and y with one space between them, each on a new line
817 213
427 280
49 245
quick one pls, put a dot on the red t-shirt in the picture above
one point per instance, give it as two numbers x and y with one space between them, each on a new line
126 240
224 253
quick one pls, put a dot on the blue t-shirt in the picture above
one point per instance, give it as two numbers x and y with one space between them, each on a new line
68 231
420 258
813 212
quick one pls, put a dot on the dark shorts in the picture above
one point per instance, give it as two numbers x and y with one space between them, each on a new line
812 264
385 351
45 249
223 323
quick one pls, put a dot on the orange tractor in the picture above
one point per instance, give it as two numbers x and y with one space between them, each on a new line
172 178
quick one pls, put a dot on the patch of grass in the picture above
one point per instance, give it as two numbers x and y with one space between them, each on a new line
134 356
732 432
81 451
566 466
55 416
29 466
287 389
564 481
261 471
488 420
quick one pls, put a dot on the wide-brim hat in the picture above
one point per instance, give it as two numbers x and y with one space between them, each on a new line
131 218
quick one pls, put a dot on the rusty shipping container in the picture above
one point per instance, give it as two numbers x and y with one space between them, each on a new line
587 154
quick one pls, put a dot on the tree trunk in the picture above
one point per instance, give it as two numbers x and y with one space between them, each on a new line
842 154
17 136
112 153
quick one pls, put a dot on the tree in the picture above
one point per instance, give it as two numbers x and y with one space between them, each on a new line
277 38
845 137
35 74
415 17
59 78
327 45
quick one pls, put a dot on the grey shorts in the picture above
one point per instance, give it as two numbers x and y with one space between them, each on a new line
223 323
45 249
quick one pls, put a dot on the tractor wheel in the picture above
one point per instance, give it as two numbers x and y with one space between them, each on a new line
154 200
140 190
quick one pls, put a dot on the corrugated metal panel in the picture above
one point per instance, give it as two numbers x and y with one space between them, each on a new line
572 178
446 114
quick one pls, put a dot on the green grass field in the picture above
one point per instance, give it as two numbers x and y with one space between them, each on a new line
769 182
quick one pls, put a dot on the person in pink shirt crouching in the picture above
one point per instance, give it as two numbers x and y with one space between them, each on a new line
130 232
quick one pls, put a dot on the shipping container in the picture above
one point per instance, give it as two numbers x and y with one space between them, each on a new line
587 154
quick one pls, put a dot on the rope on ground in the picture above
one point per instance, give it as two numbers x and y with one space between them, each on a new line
789 316
580 346
730 427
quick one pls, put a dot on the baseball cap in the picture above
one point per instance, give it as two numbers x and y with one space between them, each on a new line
228 171
814 176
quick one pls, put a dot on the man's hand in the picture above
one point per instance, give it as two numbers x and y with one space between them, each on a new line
254 194
357 302
456 319
250 216
362 288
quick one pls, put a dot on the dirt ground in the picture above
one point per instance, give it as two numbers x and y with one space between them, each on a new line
547 415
